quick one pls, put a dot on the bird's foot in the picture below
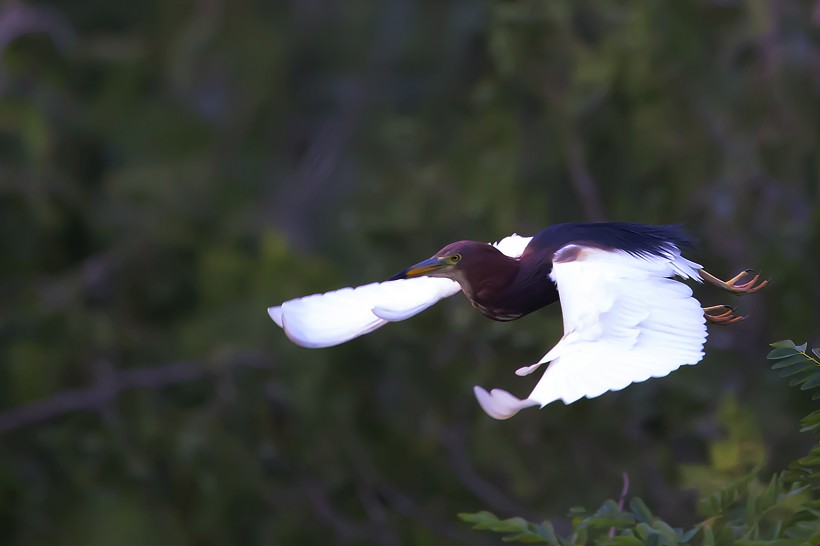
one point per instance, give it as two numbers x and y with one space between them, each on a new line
736 284
722 314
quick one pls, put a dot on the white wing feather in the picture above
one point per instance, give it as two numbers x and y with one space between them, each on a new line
625 321
324 320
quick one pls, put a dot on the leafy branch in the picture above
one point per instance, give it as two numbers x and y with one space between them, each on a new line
783 511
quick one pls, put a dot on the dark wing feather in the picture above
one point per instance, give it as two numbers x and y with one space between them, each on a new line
636 239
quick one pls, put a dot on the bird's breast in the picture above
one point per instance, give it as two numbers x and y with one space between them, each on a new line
521 297
497 313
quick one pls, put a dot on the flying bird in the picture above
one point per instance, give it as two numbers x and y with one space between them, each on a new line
626 316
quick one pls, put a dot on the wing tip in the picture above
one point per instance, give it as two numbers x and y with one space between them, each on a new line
275 313
499 404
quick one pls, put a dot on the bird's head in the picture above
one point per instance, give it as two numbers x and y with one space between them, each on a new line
455 261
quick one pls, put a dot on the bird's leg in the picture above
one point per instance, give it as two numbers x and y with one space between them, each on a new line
731 285
722 314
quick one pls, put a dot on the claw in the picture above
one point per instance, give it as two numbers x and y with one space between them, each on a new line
712 311
728 316
740 276
748 287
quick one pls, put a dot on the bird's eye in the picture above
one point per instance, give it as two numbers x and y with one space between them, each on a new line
455 258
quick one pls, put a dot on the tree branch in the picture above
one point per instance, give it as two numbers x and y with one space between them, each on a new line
96 397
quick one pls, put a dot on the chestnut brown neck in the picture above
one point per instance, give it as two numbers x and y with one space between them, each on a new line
505 288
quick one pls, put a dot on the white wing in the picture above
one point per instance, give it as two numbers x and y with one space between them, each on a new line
324 320
625 321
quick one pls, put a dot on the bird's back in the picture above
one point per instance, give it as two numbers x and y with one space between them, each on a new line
626 236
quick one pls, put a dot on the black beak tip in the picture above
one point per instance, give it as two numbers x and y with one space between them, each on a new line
398 276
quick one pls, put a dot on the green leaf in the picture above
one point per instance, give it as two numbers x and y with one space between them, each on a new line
641 511
768 496
581 537
784 352
774 542
478 517
518 529
802 348
487 521
525 538
543 533
751 507
784 344
797 369
665 530
811 382
722 500
607 522
812 459
689 535
643 530
511 525
799 378
547 531
708 536
710 505
813 417
626 540
796 358
609 508
816 352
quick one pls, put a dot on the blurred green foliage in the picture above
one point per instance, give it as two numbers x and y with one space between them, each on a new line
170 169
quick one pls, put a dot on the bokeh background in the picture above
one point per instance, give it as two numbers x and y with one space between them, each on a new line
168 169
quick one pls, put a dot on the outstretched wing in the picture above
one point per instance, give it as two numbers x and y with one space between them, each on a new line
625 320
324 320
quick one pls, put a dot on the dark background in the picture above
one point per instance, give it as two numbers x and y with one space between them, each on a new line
170 169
